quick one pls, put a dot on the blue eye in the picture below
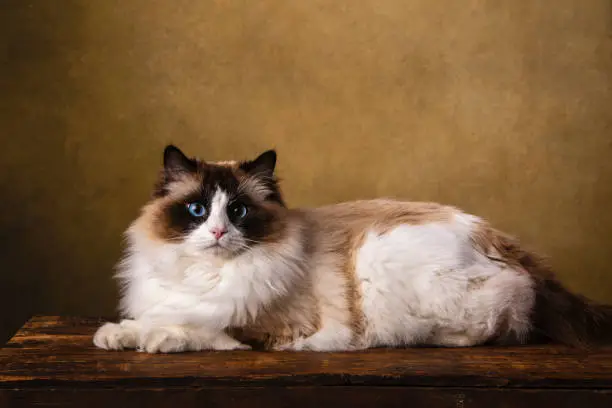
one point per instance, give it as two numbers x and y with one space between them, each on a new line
237 211
196 209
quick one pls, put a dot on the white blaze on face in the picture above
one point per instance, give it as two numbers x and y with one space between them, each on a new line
217 219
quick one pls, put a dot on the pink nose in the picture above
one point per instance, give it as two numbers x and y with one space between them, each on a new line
218 232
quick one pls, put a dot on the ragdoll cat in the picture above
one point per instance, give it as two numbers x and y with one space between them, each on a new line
217 261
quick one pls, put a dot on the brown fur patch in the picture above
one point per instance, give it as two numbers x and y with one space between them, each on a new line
353 293
157 211
281 323
383 215
495 245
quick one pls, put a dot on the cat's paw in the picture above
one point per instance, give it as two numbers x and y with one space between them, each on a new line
297 345
177 339
230 345
164 340
222 341
324 340
113 336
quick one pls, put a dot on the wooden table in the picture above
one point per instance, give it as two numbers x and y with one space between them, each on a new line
51 361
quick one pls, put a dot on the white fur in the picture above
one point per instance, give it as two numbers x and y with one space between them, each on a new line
427 284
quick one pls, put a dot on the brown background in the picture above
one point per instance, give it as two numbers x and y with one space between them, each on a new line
501 107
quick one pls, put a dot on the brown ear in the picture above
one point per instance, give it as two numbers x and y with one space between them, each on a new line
176 164
263 165
175 161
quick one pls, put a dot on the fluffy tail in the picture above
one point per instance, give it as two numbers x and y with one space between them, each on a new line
567 318
559 315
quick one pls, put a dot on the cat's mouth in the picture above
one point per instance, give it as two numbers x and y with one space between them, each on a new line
216 247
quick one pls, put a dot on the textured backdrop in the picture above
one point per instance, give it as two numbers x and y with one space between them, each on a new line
503 108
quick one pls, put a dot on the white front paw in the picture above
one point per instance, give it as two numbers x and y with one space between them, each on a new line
112 336
164 340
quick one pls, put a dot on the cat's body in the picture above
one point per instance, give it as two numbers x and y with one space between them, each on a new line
238 266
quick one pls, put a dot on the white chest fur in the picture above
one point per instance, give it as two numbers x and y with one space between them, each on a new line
166 287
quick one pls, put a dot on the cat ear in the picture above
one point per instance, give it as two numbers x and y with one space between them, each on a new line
176 162
264 164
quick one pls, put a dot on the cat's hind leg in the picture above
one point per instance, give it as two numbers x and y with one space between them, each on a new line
331 337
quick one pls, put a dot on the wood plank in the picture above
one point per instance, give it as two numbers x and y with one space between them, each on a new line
57 351
307 396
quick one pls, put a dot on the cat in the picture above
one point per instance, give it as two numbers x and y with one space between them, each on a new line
216 261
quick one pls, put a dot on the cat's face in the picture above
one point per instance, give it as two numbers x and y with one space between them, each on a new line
219 209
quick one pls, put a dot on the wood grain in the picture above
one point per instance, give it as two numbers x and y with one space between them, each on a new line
56 350
52 359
